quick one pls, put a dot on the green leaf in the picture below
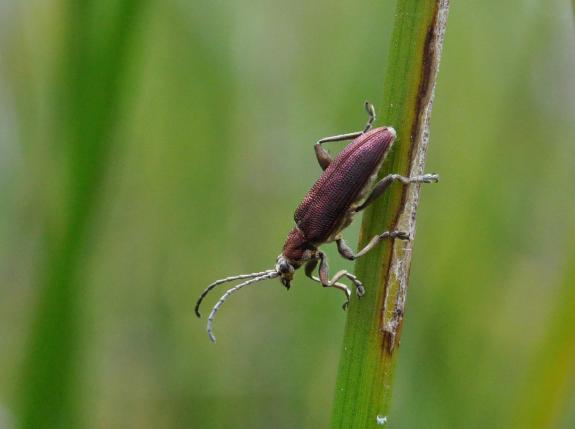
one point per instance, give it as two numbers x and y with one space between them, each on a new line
93 65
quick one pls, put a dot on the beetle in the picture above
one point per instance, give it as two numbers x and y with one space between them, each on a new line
346 187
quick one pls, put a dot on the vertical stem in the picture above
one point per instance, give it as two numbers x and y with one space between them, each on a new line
373 328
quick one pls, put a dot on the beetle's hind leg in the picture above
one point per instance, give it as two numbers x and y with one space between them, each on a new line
345 251
323 156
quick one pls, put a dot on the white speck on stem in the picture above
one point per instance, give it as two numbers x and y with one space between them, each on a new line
381 420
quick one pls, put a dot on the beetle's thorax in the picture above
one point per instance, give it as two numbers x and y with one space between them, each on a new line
297 249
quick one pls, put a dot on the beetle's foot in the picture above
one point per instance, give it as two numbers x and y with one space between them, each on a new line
429 178
359 289
347 298
402 235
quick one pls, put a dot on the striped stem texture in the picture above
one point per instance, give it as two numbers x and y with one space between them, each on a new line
373 329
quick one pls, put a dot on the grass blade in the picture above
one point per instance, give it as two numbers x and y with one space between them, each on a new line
550 379
92 69
373 328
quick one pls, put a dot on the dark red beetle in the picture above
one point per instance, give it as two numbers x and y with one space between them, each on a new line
346 187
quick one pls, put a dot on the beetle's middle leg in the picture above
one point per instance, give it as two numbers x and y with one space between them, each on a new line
345 251
323 156
383 184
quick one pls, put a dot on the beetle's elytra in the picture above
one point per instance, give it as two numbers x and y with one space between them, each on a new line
346 186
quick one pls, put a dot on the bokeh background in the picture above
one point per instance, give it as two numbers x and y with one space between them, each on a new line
148 148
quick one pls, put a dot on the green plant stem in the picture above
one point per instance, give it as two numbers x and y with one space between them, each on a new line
373 329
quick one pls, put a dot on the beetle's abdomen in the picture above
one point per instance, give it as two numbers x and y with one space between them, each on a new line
326 204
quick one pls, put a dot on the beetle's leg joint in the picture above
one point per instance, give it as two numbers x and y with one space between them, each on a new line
401 235
371 112
323 156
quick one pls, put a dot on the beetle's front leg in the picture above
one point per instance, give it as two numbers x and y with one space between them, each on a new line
310 267
382 185
323 156
324 278
345 251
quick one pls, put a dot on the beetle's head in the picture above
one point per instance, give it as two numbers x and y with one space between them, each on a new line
285 269
297 250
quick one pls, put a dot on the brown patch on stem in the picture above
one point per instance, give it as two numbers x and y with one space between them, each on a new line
391 330
425 82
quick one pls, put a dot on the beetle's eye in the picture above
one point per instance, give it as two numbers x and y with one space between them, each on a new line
284 267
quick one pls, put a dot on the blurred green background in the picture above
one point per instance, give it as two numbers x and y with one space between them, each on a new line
148 148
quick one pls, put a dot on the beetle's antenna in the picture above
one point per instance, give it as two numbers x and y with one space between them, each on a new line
371 112
268 275
227 279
